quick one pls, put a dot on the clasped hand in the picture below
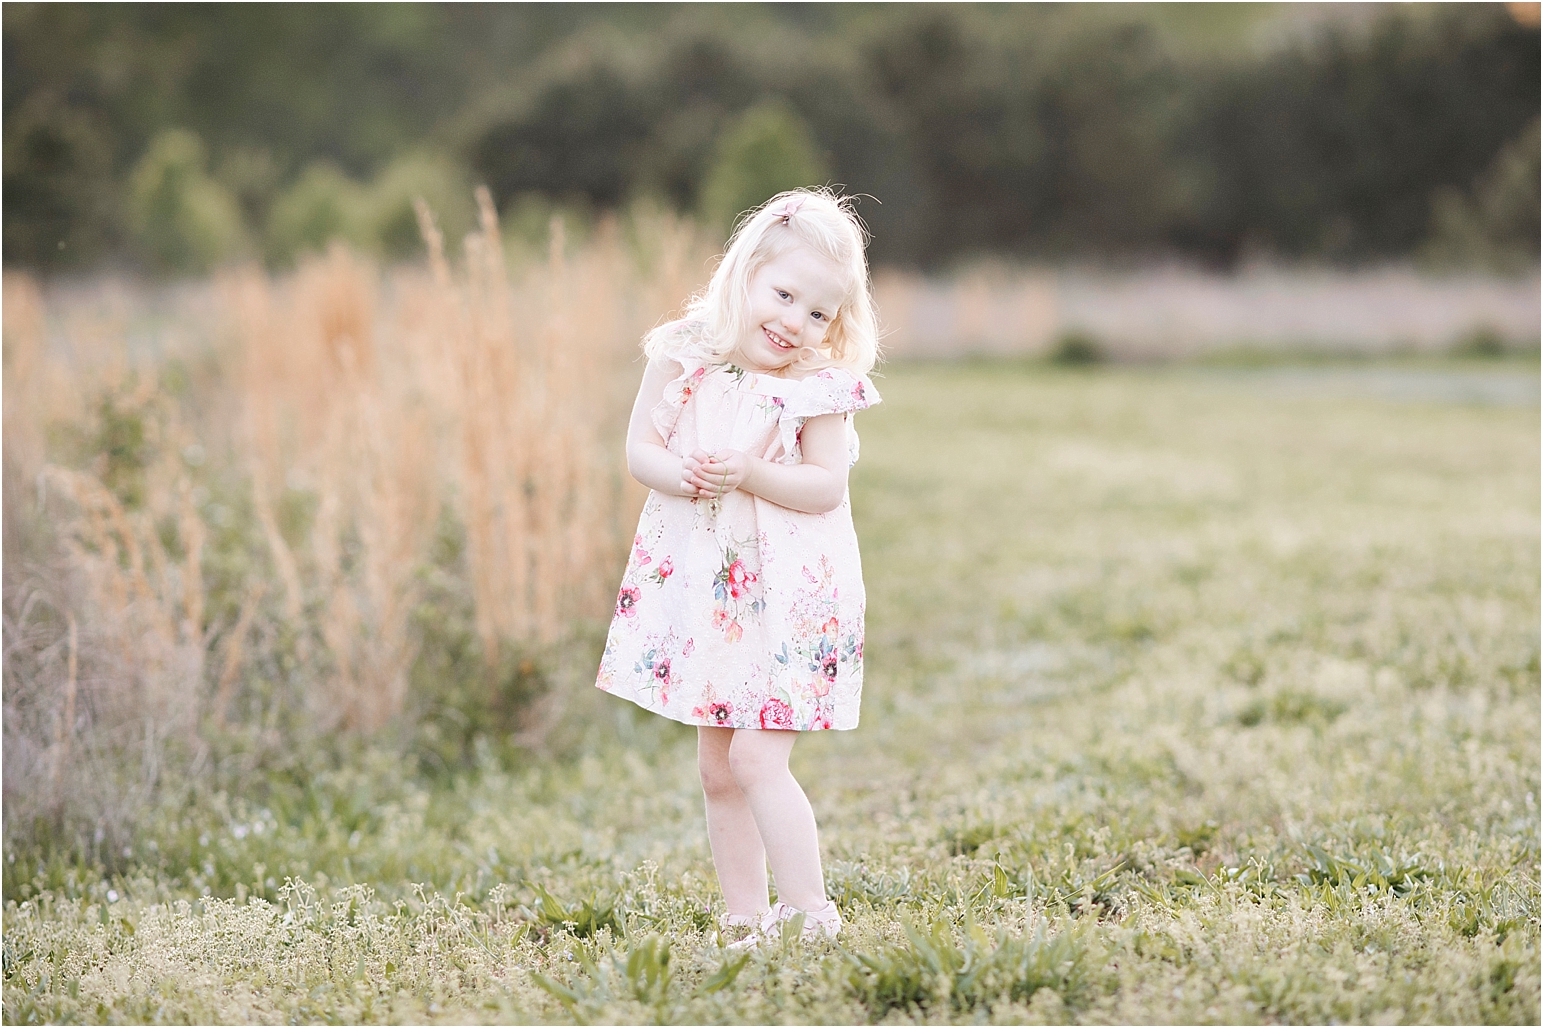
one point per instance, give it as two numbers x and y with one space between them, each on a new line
713 474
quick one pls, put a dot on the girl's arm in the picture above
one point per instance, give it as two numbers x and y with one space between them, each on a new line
816 486
647 459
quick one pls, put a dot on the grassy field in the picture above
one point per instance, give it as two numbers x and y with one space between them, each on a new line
1192 697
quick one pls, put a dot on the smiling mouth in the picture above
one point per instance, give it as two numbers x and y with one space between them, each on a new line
776 340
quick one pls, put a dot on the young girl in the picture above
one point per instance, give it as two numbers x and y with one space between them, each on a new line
741 609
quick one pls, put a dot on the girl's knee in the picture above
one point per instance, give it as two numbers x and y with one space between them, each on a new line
717 777
752 761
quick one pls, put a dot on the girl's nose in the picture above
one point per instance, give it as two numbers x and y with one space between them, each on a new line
792 321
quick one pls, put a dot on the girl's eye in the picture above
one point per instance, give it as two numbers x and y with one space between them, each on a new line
784 294
819 315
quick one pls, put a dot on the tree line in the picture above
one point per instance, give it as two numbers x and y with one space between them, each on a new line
173 137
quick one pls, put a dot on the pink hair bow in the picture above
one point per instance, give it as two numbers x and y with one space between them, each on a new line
789 209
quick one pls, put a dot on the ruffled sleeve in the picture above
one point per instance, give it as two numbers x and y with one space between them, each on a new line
693 362
831 391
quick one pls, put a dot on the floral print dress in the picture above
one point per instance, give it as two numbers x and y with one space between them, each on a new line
738 612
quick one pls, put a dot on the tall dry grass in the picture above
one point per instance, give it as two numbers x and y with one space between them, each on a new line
106 627
298 450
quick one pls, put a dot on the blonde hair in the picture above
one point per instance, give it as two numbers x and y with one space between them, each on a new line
819 218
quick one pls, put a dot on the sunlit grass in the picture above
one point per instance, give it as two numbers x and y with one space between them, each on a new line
1190 699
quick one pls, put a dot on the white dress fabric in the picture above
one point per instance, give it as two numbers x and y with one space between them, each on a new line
738 612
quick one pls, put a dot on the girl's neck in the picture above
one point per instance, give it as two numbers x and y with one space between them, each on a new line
788 371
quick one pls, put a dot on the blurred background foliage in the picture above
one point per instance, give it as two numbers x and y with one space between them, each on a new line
174 137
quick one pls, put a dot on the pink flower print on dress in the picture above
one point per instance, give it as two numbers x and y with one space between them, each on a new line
627 601
732 630
662 573
828 664
692 382
654 670
859 395
734 596
690 646
639 555
716 711
664 678
738 579
826 655
776 714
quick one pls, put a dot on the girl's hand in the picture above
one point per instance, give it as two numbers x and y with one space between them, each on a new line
715 474
690 475
696 480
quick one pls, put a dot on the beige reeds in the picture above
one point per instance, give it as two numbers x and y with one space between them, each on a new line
24 343
367 401
64 733
268 375
537 416
235 646
193 537
138 614
324 412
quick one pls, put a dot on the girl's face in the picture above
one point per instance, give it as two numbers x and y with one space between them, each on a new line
793 299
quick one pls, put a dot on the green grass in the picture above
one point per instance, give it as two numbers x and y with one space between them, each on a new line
1188 701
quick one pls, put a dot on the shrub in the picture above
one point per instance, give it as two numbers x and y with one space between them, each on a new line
766 150
389 222
62 203
184 220
1483 342
1494 223
323 205
1077 348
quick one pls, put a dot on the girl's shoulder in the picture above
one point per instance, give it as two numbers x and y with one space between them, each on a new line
833 390
683 342
681 348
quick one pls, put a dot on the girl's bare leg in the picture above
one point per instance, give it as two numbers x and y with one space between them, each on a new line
758 761
738 854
